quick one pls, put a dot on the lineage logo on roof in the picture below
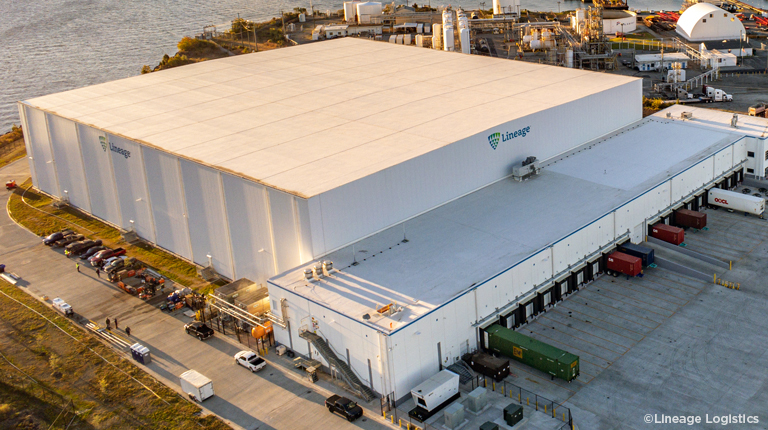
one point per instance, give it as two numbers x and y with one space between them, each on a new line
494 138
103 141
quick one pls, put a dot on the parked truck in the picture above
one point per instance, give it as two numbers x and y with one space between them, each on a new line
757 110
197 386
736 201
519 347
620 263
716 94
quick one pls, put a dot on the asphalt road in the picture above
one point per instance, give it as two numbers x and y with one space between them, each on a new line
275 398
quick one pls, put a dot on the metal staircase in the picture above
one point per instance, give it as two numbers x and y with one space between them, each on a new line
346 372
466 374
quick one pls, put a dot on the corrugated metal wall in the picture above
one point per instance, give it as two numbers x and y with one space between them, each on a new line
69 161
42 158
250 231
167 198
385 198
98 172
285 228
131 184
207 221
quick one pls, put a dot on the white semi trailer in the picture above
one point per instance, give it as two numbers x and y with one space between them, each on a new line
736 201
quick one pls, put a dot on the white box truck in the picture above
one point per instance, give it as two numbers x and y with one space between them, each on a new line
197 386
736 201
436 390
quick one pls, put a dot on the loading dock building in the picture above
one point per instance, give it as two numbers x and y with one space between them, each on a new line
262 165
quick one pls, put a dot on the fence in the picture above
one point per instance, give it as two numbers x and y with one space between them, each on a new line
399 416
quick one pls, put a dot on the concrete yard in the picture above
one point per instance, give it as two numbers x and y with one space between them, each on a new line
275 398
666 343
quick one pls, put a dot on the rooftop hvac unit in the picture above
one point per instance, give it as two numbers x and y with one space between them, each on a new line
686 115
528 168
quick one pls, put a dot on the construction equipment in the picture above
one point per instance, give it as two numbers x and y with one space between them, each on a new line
10 185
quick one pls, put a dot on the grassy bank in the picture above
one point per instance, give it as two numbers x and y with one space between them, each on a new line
58 378
39 216
12 146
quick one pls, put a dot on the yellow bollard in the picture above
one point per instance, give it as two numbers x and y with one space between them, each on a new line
384 414
730 265
493 384
537 404
393 418
715 279
545 409
519 397
528 401
485 383
738 286
563 416
502 390
400 423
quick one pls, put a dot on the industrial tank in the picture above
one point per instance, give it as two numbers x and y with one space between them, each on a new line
350 11
501 7
367 10
437 36
448 43
464 39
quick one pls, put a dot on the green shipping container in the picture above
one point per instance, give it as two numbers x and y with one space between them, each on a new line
532 352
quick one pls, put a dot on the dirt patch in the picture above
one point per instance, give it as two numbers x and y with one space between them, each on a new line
52 378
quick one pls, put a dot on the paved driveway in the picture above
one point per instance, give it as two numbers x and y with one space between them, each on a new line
275 398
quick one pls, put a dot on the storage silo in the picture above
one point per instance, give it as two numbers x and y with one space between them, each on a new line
448 43
367 10
437 36
501 7
350 11
464 38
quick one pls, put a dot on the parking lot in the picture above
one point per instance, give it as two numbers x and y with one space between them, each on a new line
666 343
276 397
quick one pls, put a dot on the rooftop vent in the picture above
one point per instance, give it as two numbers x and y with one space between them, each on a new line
735 120
528 168
327 267
308 274
686 115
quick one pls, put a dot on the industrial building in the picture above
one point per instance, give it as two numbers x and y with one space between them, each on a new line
383 211
705 21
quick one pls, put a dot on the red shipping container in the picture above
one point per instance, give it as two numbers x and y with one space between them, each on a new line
668 233
624 263
689 218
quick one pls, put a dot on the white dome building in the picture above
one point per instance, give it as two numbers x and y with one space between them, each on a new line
704 21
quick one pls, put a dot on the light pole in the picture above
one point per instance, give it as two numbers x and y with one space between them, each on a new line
741 53
558 7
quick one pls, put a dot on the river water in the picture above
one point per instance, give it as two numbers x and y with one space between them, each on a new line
56 45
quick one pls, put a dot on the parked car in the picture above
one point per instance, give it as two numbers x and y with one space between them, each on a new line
342 405
53 237
90 252
62 306
101 256
67 240
250 360
78 247
109 262
199 329
122 262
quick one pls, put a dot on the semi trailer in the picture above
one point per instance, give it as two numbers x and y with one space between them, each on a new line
736 201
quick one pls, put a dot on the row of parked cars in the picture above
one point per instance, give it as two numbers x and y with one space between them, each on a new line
93 251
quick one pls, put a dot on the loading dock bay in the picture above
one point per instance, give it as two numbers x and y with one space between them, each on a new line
665 343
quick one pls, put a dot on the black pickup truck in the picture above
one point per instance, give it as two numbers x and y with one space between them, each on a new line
347 408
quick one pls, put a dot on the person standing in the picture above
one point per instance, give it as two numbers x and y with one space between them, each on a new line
116 327
98 272
77 266
128 331
108 326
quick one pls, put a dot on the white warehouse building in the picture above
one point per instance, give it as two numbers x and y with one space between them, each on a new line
270 163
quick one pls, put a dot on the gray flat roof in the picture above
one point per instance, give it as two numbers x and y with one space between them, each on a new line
310 118
714 119
476 237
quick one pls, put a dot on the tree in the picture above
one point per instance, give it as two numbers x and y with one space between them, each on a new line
145 69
